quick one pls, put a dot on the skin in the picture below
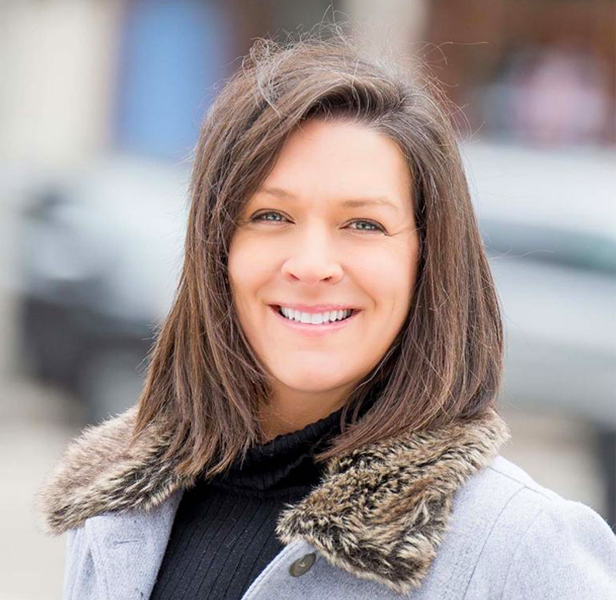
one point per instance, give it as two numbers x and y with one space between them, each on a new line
310 249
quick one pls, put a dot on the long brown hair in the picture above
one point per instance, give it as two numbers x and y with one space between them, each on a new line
203 379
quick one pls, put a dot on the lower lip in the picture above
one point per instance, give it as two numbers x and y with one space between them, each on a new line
317 330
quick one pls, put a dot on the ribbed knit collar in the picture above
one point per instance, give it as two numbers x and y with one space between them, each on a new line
282 466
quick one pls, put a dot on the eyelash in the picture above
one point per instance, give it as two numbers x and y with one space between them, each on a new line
379 228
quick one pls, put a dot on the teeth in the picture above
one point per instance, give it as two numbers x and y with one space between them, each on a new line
315 319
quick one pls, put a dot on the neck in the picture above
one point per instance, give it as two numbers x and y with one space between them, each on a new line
294 411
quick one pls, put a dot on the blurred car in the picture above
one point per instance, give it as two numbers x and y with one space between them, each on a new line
101 252
548 221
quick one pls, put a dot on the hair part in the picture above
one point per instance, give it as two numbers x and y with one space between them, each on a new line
204 380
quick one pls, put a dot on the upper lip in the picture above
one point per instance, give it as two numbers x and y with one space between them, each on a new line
315 308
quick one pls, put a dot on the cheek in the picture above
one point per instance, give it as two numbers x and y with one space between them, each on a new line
248 270
389 277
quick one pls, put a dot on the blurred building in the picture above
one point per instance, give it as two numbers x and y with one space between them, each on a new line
539 72
83 76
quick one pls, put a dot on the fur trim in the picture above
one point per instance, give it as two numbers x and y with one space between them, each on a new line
379 512
382 511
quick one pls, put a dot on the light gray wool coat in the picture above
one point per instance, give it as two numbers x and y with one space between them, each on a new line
433 515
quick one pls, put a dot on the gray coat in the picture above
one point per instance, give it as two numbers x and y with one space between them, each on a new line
437 515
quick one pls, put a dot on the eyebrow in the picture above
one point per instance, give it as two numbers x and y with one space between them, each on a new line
351 202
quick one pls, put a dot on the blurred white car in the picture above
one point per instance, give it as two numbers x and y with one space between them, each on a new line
548 220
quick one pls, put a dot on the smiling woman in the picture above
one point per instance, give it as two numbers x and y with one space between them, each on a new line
319 415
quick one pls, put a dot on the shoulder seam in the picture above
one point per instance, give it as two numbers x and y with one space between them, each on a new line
525 485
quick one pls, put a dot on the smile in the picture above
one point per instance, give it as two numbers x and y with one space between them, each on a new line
316 327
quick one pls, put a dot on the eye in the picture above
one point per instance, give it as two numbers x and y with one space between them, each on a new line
377 226
258 216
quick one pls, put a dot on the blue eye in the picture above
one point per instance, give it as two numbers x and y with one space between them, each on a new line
376 227
258 216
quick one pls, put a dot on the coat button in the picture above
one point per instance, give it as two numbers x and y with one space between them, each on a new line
302 565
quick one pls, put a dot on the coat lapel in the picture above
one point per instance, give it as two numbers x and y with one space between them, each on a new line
379 512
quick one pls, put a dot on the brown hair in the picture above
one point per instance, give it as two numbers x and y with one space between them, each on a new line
204 379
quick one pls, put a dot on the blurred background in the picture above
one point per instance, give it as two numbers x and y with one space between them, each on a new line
100 107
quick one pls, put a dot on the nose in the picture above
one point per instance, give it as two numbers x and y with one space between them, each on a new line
312 258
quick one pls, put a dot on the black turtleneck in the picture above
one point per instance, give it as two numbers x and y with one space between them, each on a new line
223 534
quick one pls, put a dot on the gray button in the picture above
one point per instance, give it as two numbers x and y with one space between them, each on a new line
302 565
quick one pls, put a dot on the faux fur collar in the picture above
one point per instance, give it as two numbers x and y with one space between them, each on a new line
379 513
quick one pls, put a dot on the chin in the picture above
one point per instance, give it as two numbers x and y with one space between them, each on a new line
310 382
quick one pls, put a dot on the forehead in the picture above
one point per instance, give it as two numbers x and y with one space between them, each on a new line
340 160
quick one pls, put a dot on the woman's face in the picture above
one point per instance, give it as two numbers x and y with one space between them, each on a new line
331 227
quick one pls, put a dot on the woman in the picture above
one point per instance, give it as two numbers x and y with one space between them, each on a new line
318 418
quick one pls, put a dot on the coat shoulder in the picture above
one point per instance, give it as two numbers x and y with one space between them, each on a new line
529 499
528 540
507 492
